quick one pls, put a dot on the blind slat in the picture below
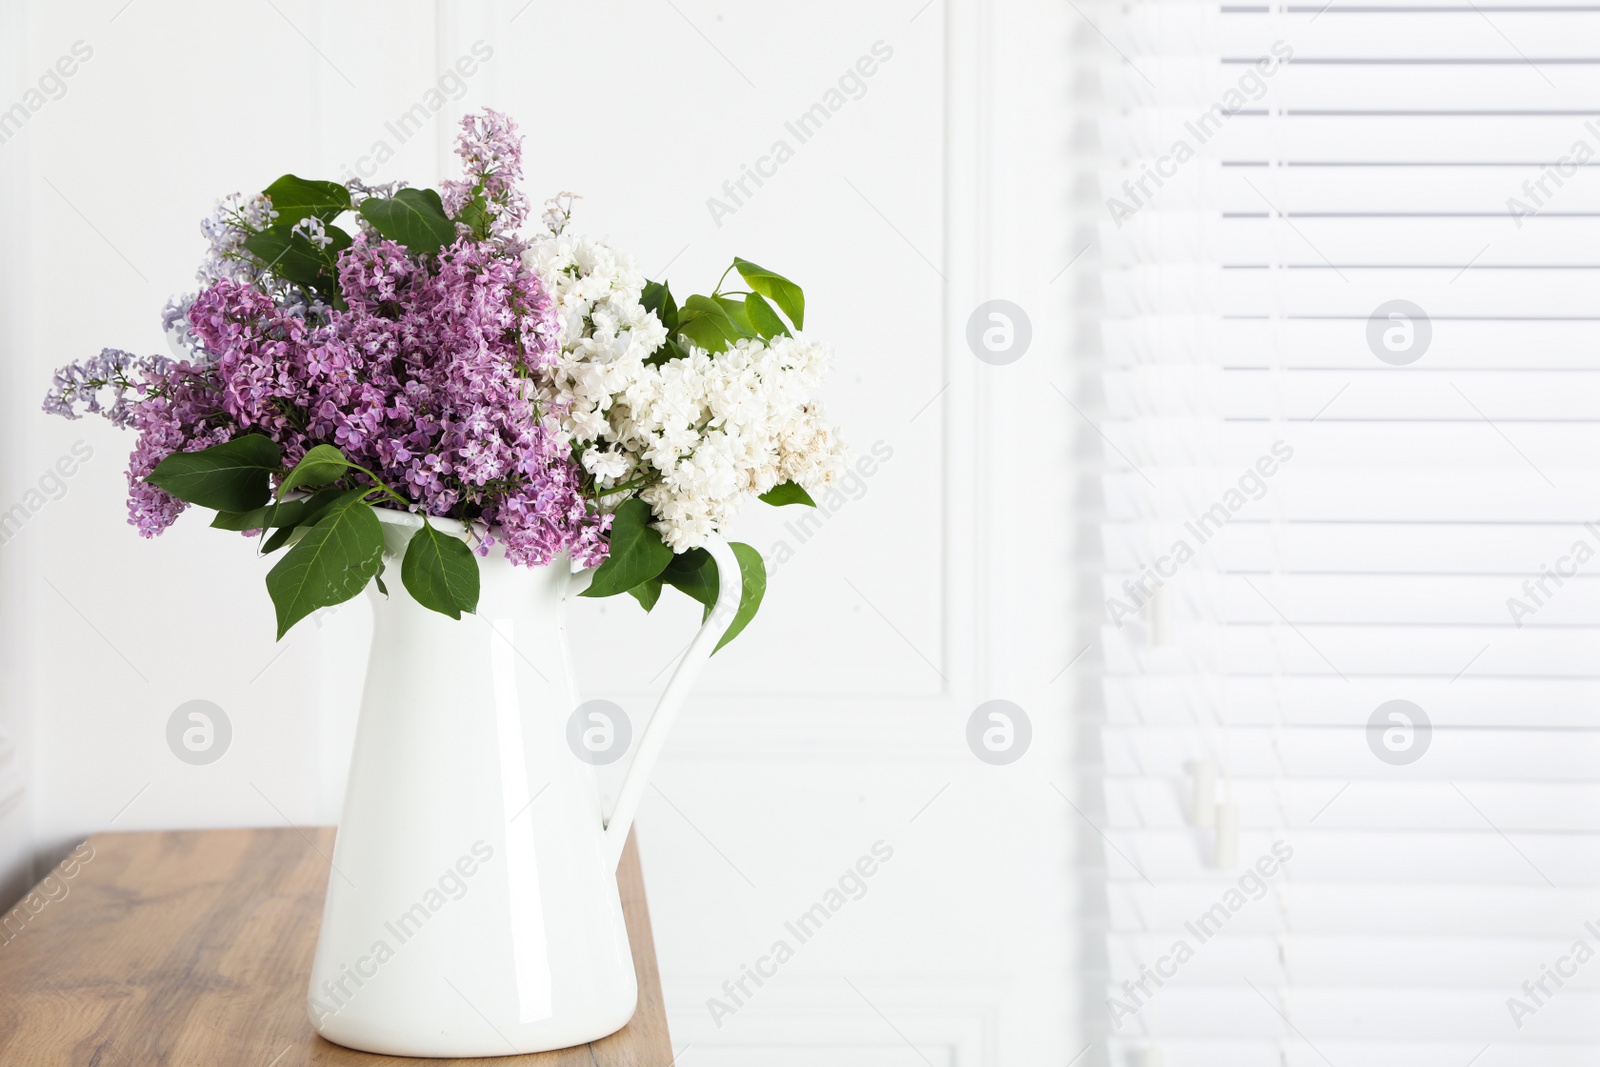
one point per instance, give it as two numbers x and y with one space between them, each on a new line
1236 295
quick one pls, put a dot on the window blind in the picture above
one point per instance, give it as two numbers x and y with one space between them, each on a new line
1346 764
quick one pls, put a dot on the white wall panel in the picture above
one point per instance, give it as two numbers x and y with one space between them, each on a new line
938 581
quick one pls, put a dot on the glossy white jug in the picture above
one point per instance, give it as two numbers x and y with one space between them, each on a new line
472 907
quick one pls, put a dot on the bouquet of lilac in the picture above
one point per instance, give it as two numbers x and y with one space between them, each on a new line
533 388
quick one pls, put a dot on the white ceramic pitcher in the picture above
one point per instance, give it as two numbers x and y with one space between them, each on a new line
472 908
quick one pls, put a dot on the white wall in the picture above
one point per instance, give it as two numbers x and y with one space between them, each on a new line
15 861
841 714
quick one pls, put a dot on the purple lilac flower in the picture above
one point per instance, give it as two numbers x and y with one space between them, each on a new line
180 414
427 378
491 156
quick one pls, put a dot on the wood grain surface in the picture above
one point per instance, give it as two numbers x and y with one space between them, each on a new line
192 949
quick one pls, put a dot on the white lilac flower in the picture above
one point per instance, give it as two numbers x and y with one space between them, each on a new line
701 434
610 466
558 211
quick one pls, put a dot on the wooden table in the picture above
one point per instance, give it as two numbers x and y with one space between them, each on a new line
192 949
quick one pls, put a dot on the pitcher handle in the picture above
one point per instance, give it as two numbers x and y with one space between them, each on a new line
730 587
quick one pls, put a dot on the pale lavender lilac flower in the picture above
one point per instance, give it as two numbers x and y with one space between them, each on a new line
225 231
166 400
88 382
313 229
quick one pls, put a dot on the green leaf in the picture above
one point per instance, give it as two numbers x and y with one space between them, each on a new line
706 323
292 257
694 572
658 298
332 563
313 507
780 290
763 320
273 516
440 572
669 350
414 218
637 552
475 216
231 476
754 573
647 592
295 198
279 538
788 493
378 578
735 309
319 466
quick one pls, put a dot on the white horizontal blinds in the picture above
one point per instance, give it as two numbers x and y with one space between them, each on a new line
1442 457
